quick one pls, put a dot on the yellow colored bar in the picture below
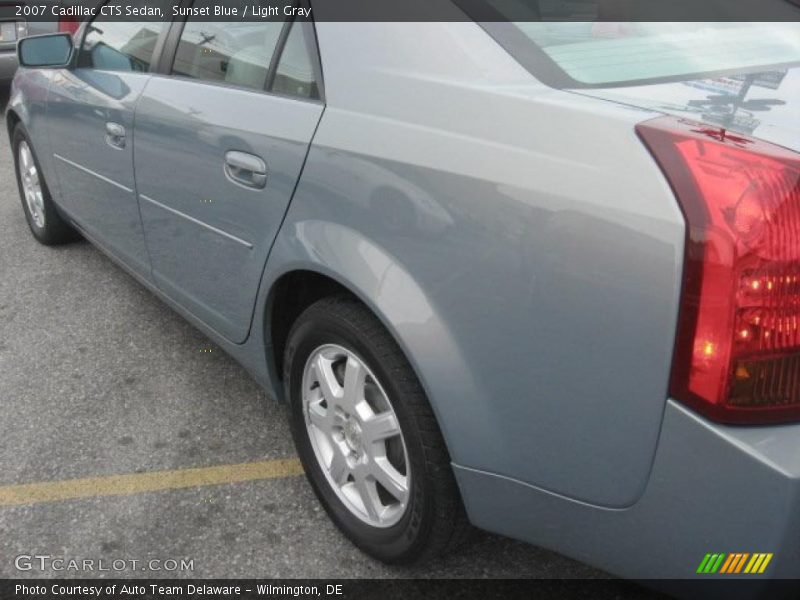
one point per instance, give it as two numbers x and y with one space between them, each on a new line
765 563
753 562
138 483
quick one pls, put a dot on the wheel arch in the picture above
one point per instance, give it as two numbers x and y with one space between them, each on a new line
290 295
12 120
319 258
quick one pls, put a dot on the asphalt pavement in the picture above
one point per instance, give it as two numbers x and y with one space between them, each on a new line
98 378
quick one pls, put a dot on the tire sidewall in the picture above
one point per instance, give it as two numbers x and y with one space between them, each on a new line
20 136
392 544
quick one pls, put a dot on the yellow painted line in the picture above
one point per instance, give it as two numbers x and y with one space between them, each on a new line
139 483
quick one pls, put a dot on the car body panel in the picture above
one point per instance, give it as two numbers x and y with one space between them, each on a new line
713 489
96 179
209 239
520 262
764 103
543 258
28 104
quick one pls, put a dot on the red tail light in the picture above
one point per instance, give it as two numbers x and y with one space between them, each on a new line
737 356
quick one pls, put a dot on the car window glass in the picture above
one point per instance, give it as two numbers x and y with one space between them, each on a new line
119 46
236 53
295 74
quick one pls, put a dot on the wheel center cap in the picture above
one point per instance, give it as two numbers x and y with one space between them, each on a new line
352 435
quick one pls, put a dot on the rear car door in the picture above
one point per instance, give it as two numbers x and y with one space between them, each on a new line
90 124
220 143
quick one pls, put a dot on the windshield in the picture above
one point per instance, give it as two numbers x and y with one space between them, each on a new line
605 53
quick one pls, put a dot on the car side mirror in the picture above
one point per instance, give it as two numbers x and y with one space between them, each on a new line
51 50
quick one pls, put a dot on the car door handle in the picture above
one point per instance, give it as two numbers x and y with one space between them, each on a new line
116 135
246 169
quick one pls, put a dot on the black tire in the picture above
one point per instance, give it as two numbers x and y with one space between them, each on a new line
434 520
56 230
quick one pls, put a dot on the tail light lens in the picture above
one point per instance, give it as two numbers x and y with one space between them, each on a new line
737 356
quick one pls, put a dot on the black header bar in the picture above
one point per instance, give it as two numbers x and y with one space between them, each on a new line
406 10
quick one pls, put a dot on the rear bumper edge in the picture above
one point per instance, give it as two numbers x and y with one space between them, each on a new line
713 489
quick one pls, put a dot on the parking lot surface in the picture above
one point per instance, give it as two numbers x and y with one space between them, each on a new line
99 379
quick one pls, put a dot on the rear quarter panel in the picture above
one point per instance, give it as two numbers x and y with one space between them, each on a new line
519 242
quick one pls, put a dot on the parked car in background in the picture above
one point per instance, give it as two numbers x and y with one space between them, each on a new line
13 29
537 277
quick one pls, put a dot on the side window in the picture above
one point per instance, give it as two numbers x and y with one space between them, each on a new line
119 46
295 75
238 53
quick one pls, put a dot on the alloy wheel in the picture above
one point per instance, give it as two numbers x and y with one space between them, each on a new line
31 187
356 436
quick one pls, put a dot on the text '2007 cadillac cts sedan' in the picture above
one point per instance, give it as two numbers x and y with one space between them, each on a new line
501 273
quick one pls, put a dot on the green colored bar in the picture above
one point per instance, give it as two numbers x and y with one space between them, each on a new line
703 564
711 562
718 564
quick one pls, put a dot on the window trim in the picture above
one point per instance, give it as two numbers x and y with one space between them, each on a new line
169 52
79 39
168 49
313 50
312 47
277 55
310 38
